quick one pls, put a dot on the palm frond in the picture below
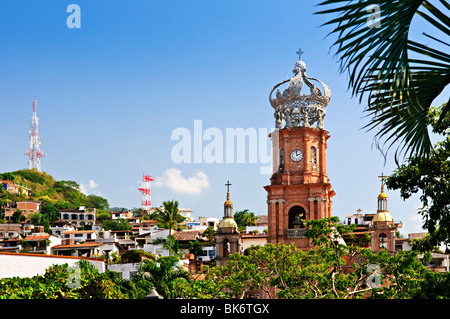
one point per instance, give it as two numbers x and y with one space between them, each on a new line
399 89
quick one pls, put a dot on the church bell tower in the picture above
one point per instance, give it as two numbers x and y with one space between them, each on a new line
383 228
228 238
299 188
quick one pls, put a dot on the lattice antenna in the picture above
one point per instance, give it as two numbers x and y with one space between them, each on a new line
145 190
34 153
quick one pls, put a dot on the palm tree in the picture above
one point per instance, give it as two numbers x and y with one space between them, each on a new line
249 219
172 245
162 273
169 215
210 233
400 77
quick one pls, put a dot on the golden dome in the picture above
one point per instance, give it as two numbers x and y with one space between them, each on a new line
382 195
382 216
228 222
228 203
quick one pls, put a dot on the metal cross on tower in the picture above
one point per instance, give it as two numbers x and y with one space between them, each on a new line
383 178
228 186
300 53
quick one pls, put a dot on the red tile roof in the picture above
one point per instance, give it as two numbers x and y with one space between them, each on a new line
37 237
83 245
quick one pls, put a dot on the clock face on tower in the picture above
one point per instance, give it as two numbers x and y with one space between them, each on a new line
296 155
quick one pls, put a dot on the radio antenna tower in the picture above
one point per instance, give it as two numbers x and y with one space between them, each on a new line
145 190
34 153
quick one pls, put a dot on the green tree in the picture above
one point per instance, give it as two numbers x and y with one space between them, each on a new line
172 244
399 75
18 216
50 211
117 224
210 233
330 270
169 215
8 176
245 218
162 274
196 247
102 216
54 285
94 201
430 177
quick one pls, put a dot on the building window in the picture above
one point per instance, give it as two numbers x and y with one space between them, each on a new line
313 159
226 248
281 164
382 239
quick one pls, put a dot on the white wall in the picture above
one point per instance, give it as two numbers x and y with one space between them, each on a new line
29 265
260 229
125 269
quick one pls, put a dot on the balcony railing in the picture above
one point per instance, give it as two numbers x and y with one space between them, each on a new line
296 232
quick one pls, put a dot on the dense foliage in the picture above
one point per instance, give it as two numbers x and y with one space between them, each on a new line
429 177
54 284
54 195
331 270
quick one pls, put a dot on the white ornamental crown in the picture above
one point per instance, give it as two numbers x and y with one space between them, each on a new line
294 109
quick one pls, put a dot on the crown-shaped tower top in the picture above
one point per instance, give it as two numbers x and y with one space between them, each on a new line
294 109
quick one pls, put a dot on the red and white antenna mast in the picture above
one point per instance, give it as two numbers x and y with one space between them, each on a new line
145 190
34 153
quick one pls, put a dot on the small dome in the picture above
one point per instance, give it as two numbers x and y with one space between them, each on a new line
228 222
228 203
382 195
382 217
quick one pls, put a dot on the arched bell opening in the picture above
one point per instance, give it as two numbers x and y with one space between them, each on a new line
296 217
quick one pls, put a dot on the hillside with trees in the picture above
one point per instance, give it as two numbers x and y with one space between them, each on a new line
53 195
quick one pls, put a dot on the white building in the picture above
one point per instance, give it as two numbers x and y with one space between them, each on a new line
80 217
29 265
207 222
58 228
77 236
358 219
87 249
208 253
40 243
151 241
186 213
127 270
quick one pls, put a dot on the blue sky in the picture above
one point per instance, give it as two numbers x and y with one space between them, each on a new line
110 94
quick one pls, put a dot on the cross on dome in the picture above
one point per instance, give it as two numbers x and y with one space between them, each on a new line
383 178
300 53
228 186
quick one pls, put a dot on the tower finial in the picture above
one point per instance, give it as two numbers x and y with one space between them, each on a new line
383 178
300 53
228 189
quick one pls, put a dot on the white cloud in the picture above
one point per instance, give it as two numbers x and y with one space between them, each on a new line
92 184
89 188
174 180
